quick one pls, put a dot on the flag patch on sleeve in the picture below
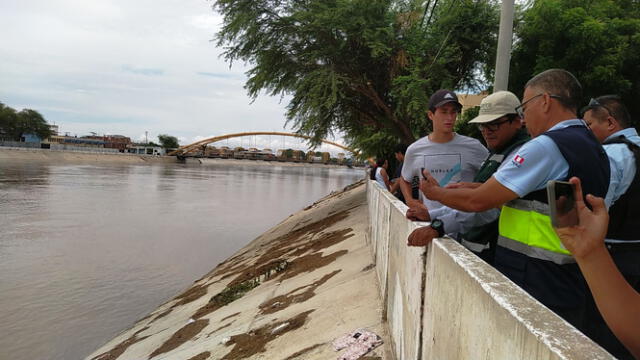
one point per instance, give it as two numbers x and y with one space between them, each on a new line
518 160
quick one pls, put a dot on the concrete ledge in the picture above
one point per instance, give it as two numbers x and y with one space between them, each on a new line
400 269
469 310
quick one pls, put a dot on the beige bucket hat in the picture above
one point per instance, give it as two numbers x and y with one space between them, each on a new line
495 106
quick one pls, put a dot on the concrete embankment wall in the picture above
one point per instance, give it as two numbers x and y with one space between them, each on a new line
218 161
443 302
286 295
48 155
343 264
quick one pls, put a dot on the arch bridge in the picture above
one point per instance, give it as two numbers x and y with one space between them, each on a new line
185 150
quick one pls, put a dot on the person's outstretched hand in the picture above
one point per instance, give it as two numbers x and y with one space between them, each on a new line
428 184
581 240
418 212
463 185
422 236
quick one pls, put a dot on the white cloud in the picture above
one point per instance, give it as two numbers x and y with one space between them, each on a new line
126 67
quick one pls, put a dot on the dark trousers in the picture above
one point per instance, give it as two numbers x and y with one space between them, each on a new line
561 288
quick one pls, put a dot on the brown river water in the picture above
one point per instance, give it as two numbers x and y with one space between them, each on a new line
86 250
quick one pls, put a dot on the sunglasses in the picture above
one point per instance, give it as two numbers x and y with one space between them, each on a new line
593 103
520 108
493 126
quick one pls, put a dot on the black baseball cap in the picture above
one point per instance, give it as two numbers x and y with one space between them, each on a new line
442 97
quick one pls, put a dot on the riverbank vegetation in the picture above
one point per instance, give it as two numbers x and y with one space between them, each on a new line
16 124
365 68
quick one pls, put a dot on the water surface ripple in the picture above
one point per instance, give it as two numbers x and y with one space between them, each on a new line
85 250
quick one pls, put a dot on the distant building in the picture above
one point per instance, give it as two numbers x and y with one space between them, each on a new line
30 138
470 101
211 151
87 141
54 129
119 142
142 149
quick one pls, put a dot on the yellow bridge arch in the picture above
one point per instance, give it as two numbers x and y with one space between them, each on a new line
183 150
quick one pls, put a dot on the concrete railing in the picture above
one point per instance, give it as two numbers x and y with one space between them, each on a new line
443 302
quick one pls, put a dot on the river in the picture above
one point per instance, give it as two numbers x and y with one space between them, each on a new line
86 250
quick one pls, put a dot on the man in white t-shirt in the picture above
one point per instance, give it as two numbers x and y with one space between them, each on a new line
449 157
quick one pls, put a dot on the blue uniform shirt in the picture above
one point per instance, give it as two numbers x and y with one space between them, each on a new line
623 165
538 161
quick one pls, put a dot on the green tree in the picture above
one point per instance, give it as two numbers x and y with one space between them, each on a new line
463 127
288 153
361 67
168 141
14 125
8 121
32 122
26 121
597 40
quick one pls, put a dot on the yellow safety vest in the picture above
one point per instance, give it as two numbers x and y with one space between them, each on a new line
525 227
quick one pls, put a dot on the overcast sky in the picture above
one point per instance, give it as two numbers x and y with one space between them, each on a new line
126 67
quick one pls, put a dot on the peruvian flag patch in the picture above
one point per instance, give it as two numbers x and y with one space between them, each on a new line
518 160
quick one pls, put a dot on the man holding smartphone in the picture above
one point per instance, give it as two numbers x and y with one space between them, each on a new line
612 125
529 252
449 157
502 131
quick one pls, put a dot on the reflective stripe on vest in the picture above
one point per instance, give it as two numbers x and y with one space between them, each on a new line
525 227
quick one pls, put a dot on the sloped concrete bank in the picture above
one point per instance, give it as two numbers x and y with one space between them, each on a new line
61 156
286 295
343 264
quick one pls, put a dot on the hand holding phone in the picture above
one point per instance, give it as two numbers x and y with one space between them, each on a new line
422 174
562 204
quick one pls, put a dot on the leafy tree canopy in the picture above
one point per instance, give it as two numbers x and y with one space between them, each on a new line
462 126
597 40
362 67
14 124
168 141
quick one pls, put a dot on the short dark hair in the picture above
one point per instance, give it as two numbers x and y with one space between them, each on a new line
379 162
613 104
561 83
400 148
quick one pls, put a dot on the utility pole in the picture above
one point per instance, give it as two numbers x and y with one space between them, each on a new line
505 39
146 138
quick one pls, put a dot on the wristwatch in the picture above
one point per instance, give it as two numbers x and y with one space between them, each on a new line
438 225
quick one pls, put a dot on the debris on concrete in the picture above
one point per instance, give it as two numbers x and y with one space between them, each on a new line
357 344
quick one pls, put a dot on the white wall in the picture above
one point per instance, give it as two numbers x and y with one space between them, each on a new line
442 302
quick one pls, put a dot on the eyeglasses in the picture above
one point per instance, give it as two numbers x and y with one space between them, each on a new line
492 126
520 108
593 103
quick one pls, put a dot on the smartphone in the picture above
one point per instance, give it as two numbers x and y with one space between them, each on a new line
562 204
422 174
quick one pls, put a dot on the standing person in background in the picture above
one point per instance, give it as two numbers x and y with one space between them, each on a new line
450 157
379 173
529 252
618 302
612 125
400 150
